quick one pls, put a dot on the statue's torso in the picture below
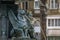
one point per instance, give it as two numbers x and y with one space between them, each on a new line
23 21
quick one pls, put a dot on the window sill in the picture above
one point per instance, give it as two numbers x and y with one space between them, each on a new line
53 8
36 8
53 27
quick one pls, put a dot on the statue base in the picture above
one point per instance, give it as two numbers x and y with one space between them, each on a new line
22 38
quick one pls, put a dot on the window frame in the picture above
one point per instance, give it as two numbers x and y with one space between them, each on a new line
53 37
26 5
52 17
54 4
38 4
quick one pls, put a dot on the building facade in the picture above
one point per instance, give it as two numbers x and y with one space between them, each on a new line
38 13
53 20
33 7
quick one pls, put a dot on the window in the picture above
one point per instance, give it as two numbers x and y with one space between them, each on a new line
53 22
25 5
53 38
54 4
36 4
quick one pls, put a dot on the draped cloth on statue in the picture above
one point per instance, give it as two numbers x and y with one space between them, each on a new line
15 22
19 24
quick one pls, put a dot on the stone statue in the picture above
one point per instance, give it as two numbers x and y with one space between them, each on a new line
21 24
31 30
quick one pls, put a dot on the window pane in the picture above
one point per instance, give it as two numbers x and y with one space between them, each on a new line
56 3
36 4
23 5
26 5
55 22
54 38
58 22
48 22
52 22
58 38
52 3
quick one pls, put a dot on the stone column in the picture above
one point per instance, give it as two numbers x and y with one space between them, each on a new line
4 28
4 21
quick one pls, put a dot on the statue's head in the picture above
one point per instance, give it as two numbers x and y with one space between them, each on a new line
22 12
